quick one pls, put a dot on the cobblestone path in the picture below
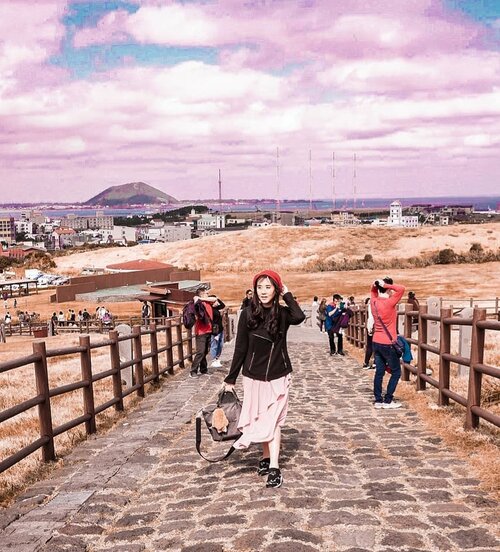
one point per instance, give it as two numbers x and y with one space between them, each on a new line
356 479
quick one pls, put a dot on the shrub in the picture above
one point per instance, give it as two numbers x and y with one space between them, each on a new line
446 256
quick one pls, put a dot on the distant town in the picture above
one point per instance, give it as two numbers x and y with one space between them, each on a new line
34 231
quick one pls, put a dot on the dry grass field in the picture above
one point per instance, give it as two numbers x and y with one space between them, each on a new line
292 249
229 261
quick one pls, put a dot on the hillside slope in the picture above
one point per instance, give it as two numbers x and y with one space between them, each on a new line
133 193
293 248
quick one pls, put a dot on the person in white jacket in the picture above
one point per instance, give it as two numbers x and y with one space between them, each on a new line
370 325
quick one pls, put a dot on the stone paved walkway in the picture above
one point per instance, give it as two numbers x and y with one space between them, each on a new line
355 479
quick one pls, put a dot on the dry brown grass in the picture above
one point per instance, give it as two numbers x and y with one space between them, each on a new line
19 385
293 248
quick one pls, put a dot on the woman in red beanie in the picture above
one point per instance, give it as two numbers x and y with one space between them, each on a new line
262 353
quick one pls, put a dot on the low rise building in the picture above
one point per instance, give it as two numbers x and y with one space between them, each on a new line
7 230
99 221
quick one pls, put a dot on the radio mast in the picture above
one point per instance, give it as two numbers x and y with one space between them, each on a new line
333 182
277 183
310 181
220 192
354 181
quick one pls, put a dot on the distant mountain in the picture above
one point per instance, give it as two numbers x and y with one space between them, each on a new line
133 193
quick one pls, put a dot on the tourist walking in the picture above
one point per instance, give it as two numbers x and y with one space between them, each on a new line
202 330
247 299
322 314
385 295
314 310
368 336
332 326
217 340
261 351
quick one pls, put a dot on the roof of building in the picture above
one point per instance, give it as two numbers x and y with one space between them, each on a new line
138 264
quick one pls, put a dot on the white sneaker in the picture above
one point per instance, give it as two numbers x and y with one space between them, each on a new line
392 405
378 405
216 363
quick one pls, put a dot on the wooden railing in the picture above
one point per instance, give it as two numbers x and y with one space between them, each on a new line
162 361
356 335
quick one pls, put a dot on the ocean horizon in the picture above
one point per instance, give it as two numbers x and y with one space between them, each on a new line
480 203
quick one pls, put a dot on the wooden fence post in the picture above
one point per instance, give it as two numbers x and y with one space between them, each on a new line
444 365
154 351
139 367
405 374
180 344
168 344
88 390
44 409
190 344
115 365
422 353
475 377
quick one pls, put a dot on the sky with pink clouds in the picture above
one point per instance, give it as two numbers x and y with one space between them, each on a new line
99 93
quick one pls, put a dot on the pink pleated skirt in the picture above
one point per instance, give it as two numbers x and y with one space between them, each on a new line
265 406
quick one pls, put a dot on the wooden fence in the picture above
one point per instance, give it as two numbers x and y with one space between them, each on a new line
356 333
162 361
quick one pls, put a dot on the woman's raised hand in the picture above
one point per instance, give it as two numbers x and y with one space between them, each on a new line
284 290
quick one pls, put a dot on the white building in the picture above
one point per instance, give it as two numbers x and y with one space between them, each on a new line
24 226
168 233
260 223
208 221
396 217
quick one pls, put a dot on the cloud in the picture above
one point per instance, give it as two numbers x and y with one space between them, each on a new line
398 83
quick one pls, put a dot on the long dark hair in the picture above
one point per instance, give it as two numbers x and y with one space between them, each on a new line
258 314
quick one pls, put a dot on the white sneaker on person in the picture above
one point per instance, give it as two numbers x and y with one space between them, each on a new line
216 363
392 405
378 405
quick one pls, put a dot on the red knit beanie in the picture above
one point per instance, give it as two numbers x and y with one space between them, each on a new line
270 274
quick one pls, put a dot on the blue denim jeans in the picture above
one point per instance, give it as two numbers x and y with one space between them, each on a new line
216 345
385 355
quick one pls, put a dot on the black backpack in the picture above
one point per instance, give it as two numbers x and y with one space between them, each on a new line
189 315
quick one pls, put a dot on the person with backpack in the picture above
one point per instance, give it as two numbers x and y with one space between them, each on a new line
337 319
385 295
217 341
201 311
322 314
261 353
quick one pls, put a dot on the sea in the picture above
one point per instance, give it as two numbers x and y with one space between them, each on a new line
480 203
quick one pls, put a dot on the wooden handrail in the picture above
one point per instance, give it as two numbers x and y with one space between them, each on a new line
479 324
160 365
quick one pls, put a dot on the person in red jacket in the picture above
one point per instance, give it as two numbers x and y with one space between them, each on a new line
202 331
385 295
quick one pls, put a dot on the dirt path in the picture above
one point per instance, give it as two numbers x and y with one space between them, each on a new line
356 479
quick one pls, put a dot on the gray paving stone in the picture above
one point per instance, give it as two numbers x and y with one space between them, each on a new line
356 480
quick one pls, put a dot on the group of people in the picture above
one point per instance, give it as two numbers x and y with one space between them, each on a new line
261 355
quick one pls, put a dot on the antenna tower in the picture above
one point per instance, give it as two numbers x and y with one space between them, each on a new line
220 192
277 182
334 201
310 181
354 182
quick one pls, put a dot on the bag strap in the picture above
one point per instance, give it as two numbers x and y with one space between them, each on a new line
387 332
198 445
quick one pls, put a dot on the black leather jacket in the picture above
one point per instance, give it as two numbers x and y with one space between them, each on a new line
261 357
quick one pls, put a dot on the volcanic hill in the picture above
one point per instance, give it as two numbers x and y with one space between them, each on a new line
133 193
